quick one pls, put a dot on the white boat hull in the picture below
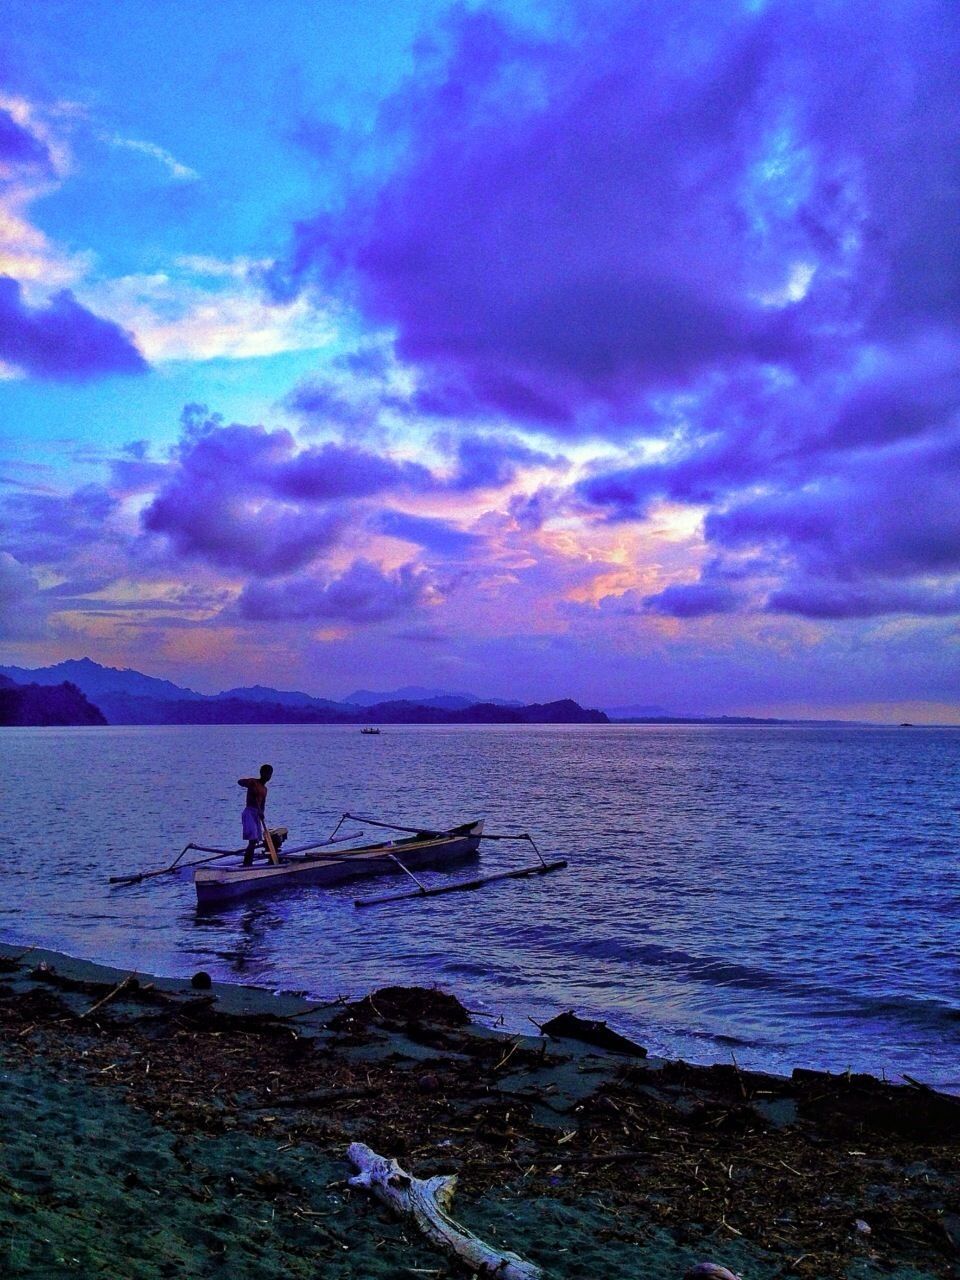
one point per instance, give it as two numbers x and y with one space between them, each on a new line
218 885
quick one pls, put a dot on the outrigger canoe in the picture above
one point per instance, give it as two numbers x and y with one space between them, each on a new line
218 885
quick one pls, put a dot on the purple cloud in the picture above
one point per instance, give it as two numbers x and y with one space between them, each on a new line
488 461
734 235
62 340
361 596
531 511
333 472
216 504
227 531
137 475
46 528
249 499
18 145
578 221
833 601
693 600
21 611
323 401
438 536
894 515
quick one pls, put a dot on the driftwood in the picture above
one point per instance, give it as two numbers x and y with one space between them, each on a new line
128 982
427 1201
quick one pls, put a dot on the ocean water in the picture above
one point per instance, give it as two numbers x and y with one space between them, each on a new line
788 896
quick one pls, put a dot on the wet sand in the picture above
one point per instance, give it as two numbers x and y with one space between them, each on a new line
171 1131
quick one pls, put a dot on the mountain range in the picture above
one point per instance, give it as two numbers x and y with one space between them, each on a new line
126 696
424 697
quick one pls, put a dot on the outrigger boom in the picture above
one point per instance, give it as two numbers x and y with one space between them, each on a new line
539 869
424 892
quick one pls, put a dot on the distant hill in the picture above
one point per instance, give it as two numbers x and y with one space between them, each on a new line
93 680
121 709
282 697
130 697
37 704
220 710
564 711
437 698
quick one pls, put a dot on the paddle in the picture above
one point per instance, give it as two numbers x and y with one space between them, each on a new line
268 843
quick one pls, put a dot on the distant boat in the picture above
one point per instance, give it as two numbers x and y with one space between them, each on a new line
368 729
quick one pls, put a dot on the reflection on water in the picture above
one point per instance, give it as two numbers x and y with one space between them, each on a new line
792 892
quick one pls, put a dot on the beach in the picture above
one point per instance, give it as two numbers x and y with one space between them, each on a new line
158 1128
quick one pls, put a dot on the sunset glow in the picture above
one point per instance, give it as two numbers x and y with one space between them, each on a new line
592 351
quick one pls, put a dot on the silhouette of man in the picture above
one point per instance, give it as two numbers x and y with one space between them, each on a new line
254 815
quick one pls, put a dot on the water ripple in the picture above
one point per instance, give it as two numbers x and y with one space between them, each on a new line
792 892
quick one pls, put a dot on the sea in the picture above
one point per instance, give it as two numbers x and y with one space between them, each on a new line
776 896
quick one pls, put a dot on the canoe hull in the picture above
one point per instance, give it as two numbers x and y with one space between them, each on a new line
218 885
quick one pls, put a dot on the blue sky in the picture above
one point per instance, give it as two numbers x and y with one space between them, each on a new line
596 350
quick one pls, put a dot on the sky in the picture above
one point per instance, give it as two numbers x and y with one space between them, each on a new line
602 350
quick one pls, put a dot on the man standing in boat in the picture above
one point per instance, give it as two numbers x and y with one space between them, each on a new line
254 815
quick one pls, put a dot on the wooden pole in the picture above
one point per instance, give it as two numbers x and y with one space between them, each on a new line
420 885
392 826
268 843
462 884
136 877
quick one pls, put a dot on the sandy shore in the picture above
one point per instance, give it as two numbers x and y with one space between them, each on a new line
172 1131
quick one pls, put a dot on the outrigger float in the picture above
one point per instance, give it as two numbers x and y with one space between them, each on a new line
319 864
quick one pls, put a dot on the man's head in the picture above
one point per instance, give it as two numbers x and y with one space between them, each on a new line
266 772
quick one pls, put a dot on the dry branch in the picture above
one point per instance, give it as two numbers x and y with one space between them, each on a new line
427 1201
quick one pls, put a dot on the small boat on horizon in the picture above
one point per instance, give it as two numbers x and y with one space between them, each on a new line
369 729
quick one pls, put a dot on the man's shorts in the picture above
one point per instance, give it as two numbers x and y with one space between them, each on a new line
252 827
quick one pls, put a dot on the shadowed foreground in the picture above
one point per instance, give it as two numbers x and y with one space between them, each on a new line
159 1131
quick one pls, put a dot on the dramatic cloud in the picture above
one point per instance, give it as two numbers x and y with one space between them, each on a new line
726 244
361 596
220 505
572 222
62 340
837 601
250 499
895 515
